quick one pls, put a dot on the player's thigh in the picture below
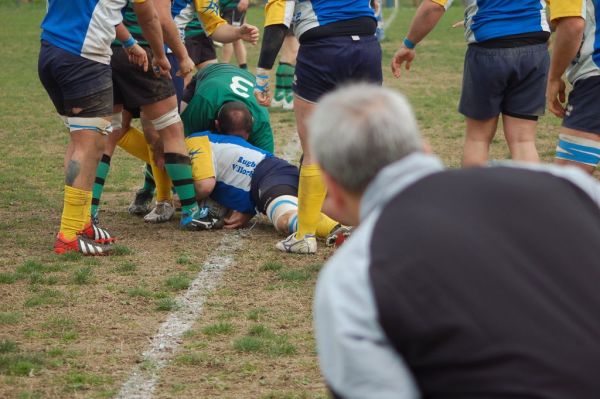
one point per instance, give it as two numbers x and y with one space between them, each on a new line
485 75
326 63
274 177
525 95
136 87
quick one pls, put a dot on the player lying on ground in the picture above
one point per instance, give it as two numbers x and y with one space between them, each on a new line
247 180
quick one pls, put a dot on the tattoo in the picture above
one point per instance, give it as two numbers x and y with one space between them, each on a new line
72 172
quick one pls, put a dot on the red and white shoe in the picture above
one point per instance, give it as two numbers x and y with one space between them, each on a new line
80 244
338 235
97 234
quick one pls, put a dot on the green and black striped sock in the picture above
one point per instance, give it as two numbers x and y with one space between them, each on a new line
179 169
101 173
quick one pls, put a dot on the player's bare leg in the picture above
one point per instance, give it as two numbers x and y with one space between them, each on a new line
520 136
479 135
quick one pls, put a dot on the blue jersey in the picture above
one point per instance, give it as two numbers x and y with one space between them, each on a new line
492 19
231 161
308 14
83 27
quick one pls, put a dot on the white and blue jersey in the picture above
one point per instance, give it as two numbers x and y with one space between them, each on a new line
83 27
587 62
492 19
309 14
231 161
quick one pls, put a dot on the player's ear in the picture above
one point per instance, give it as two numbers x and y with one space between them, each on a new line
217 126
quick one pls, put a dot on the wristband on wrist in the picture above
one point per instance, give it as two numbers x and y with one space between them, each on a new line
408 44
129 42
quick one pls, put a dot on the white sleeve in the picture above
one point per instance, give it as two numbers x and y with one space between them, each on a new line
355 356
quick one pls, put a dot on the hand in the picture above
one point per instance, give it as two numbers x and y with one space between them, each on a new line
261 88
161 66
249 33
186 68
138 56
555 96
242 5
237 220
403 55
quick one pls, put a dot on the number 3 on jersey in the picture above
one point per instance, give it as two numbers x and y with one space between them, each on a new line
241 86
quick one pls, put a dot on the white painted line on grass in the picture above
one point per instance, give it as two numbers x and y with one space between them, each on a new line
142 382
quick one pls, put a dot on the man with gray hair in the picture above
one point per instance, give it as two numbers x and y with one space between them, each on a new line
457 282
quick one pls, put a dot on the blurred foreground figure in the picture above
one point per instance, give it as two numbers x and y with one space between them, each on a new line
473 283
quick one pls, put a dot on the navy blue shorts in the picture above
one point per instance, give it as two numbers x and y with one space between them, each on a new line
272 178
134 88
326 63
583 108
75 82
511 81
200 48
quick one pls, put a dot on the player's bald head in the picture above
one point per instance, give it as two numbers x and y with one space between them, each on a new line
234 118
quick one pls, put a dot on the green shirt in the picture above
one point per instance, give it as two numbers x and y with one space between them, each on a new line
220 83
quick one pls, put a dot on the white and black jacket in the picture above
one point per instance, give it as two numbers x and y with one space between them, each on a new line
473 283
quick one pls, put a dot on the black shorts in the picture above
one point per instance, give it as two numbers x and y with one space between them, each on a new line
200 48
326 63
272 178
132 86
75 82
511 81
233 16
583 108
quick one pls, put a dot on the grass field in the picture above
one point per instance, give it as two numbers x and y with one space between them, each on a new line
77 327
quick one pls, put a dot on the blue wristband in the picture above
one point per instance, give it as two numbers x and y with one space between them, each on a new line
408 44
129 42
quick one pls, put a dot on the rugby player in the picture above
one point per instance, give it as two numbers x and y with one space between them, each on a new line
74 69
579 139
505 71
337 45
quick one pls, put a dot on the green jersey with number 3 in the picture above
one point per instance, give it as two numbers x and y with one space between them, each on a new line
220 83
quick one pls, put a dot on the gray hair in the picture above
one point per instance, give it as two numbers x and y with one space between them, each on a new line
358 130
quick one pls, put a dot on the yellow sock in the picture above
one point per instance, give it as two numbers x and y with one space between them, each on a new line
76 211
311 194
161 179
325 226
133 142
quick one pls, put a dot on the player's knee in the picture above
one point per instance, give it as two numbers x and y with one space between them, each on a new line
166 120
283 213
578 149
97 124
